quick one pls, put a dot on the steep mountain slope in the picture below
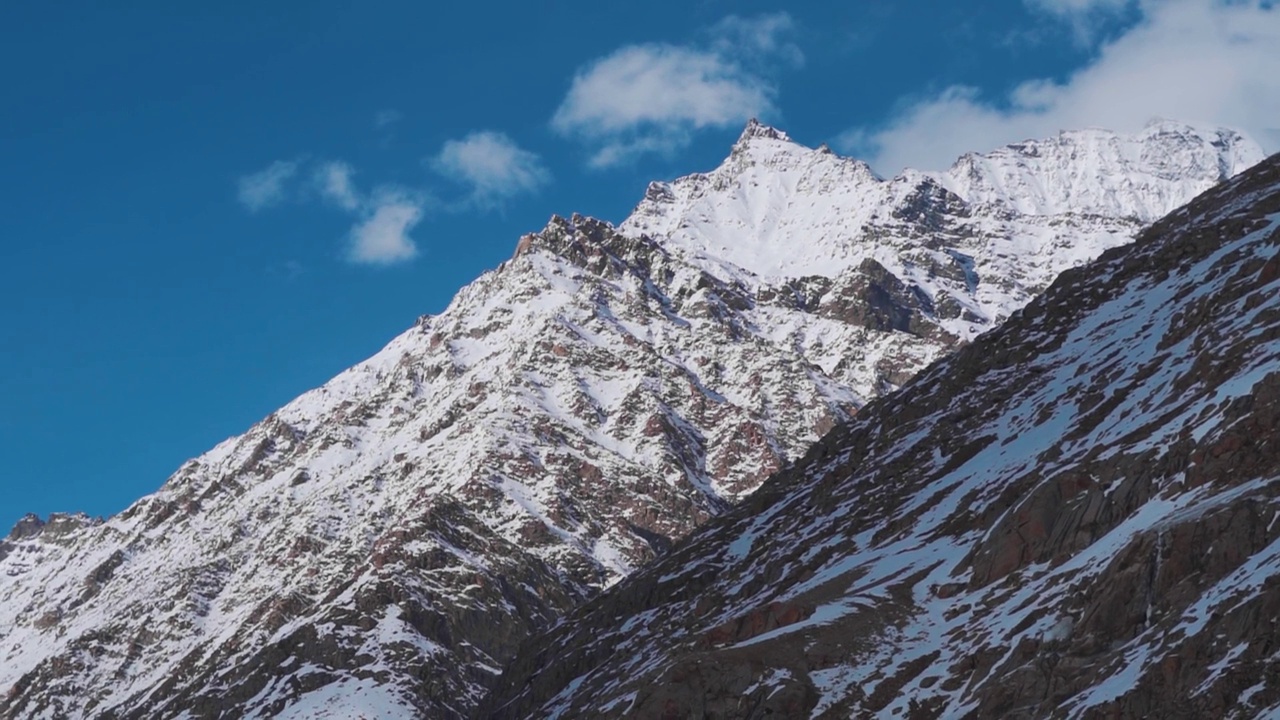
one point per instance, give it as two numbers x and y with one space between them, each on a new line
396 531
383 543
1077 515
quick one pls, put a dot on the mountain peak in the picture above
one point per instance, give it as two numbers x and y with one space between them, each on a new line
756 211
758 130
32 525
1183 127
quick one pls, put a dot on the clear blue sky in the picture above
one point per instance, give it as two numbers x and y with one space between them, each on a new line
208 210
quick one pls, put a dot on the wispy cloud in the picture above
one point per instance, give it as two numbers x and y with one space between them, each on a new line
1197 60
1084 17
386 118
492 166
266 187
383 217
653 97
382 237
384 126
336 186
288 270
764 37
1077 7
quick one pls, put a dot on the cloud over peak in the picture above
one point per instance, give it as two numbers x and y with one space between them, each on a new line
653 97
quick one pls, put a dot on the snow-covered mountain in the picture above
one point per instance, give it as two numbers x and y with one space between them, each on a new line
1007 222
383 544
1077 515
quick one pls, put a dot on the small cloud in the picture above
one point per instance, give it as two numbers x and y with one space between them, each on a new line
492 165
652 98
334 181
386 118
386 215
382 238
265 188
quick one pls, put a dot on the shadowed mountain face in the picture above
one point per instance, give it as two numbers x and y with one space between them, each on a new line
383 544
1078 515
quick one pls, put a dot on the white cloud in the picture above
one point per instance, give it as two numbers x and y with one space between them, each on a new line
384 216
659 85
651 98
266 187
381 235
334 180
382 238
492 165
1195 60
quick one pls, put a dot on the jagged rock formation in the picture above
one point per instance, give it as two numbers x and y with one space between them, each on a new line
382 544
1078 515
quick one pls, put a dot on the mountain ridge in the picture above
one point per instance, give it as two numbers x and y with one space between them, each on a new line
387 539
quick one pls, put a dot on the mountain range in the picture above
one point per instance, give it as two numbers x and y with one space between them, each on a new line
1076 515
385 544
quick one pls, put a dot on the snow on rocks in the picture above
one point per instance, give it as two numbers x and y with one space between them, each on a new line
381 544
1076 515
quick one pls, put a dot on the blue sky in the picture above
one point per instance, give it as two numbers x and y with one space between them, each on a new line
209 211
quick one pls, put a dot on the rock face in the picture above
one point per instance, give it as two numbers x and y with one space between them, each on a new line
384 543
1077 515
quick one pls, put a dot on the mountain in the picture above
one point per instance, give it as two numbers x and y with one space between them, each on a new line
1007 222
384 543
1077 515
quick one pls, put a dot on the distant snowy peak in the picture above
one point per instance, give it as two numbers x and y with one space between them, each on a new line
1142 176
778 209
